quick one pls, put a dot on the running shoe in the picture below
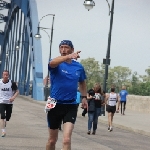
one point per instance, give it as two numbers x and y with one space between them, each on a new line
3 134
89 132
108 128
111 129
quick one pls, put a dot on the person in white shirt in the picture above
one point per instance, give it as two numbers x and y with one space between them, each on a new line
111 100
8 93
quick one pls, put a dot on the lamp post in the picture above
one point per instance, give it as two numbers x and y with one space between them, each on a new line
89 5
38 36
107 60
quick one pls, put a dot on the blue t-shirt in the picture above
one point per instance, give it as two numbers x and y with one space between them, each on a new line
64 80
123 95
78 97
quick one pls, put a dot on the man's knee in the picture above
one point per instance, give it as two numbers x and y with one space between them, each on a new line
66 141
52 141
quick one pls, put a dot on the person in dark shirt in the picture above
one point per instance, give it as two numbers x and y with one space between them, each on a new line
94 97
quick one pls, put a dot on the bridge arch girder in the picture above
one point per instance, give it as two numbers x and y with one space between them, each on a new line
24 64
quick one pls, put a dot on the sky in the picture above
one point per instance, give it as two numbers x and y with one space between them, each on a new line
88 30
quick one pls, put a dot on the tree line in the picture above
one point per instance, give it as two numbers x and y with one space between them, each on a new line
118 76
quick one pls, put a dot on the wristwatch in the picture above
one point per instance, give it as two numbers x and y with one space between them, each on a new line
84 97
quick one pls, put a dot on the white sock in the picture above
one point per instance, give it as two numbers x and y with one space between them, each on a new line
3 130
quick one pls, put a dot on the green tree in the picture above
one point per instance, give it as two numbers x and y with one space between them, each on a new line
119 76
148 71
93 72
140 84
143 78
135 79
135 84
148 74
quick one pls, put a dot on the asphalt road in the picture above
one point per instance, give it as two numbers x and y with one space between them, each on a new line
27 130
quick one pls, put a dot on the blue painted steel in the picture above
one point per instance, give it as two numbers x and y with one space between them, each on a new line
21 82
24 63
1 37
8 47
37 50
13 51
26 55
30 54
28 77
31 60
10 57
8 38
19 38
3 56
20 50
23 5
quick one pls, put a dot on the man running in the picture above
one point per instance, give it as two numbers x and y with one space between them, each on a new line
8 93
123 98
65 73
111 100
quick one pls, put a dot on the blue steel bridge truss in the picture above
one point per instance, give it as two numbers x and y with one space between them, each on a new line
21 53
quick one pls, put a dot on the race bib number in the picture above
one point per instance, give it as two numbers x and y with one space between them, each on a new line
51 103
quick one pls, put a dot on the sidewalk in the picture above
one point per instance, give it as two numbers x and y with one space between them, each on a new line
132 121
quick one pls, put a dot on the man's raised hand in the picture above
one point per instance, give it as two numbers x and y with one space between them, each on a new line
74 55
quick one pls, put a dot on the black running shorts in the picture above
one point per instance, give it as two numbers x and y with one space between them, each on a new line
61 112
5 111
111 109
